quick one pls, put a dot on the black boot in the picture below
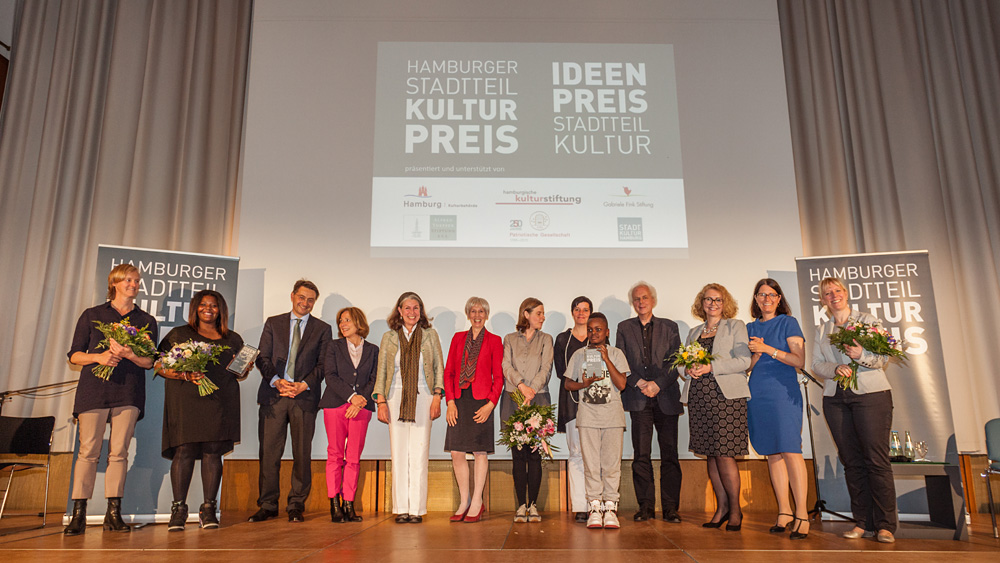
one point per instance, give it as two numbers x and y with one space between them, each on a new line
349 514
78 521
336 511
113 519
178 516
207 515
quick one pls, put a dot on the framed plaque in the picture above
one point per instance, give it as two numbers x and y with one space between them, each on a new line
243 361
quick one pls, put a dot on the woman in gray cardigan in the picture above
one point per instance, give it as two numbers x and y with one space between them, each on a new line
716 395
860 420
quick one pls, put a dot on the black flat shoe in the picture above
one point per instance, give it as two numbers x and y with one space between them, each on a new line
725 517
776 529
262 514
415 519
580 517
642 515
672 516
796 535
402 518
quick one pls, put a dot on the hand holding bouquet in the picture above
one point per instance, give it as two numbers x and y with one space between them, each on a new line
530 425
138 339
871 337
194 357
693 354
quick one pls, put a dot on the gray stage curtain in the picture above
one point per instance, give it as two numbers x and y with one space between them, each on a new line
895 117
122 125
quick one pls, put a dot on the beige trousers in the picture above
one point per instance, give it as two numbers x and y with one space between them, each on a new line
92 425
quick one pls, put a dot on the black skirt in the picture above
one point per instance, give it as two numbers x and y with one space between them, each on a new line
468 435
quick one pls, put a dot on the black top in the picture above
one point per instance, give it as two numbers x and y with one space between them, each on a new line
563 350
187 416
343 379
127 384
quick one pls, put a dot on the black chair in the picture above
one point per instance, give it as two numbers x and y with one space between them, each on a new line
25 437
992 464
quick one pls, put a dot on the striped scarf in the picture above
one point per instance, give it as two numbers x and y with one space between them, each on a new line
409 370
470 358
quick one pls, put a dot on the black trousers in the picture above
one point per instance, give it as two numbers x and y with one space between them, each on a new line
272 430
527 475
643 424
861 426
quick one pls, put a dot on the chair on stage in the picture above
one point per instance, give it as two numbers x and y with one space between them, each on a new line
992 464
24 444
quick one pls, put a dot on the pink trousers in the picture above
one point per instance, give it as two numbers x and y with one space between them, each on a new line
345 442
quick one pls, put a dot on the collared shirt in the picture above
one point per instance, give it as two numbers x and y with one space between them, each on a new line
355 351
527 362
302 331
647 343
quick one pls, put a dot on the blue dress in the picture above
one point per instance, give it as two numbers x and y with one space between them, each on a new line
774 411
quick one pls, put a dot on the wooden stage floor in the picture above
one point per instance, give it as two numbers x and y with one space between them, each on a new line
496 539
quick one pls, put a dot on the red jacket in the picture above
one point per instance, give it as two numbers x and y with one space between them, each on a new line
488 383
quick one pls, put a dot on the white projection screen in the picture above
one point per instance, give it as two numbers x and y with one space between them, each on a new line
684 178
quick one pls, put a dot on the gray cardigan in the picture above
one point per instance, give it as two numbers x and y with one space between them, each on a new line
826 358
732 359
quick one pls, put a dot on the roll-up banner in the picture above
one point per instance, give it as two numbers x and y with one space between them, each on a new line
896 287
169 280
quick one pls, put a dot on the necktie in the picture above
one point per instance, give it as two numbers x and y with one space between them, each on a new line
293 351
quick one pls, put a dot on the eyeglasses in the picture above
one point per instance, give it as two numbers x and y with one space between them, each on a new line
712 300
766 296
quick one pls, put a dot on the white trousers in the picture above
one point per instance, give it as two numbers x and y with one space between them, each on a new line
410 445
574 469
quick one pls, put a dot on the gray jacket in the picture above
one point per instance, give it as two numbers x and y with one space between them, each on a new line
732 352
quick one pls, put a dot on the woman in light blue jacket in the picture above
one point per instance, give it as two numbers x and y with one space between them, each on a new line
716 395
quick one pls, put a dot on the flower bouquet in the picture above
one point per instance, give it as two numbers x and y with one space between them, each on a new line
693 354
194 356
138 339
530 425
870 336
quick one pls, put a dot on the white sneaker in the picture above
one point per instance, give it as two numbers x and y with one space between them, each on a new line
611 515
533 515
595 519
521 516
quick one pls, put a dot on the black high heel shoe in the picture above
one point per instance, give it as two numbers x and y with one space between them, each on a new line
796 535
776 529
735 527
718 524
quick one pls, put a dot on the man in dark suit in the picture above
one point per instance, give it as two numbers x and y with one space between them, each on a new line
653 399
290 362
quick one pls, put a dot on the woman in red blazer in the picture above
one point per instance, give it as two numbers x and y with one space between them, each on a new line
473 382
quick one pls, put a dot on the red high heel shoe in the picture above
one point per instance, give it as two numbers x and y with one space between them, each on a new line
477 517
459 517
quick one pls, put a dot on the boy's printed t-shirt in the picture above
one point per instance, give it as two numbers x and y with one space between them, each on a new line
601 402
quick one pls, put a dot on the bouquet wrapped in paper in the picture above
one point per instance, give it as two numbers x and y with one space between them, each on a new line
192 356
138 339
693 354
530 426
871 337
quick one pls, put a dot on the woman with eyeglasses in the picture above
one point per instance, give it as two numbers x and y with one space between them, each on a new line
774 411
716 395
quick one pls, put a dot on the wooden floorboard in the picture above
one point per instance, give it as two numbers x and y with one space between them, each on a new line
496 539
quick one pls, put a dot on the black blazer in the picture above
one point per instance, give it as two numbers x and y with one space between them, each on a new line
343 379
666 341
308 364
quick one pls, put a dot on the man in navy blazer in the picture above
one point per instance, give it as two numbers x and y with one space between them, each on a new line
288 396
653 398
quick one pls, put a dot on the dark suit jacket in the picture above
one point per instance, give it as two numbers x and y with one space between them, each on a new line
666 340
308 364
488 383
343 379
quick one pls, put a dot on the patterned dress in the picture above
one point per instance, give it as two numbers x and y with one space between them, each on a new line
718 426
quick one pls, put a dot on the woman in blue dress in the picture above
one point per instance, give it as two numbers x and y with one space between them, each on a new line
774 411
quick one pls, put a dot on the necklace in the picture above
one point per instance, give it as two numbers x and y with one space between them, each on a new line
707 330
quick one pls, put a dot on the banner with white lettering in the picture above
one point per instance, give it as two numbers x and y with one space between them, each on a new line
896 287
169 280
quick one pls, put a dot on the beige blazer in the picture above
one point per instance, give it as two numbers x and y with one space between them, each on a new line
826 358
430 350
732 352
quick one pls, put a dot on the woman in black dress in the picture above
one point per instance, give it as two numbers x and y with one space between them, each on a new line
196 427
567 343
716 395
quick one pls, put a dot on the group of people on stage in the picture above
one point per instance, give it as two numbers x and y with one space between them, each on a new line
748 394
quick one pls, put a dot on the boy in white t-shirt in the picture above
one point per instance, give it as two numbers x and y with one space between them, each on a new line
600 419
